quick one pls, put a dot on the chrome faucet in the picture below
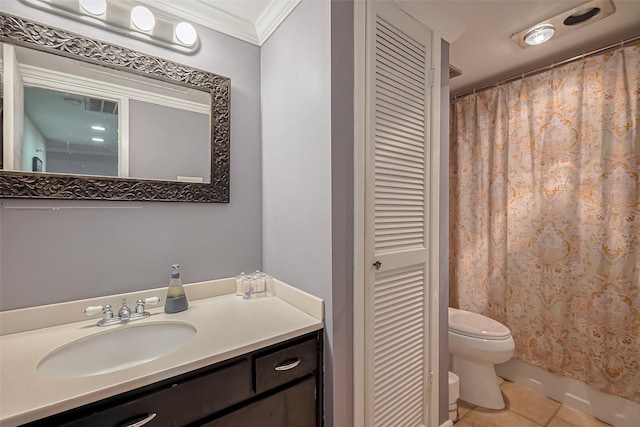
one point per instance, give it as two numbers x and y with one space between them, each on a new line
124 314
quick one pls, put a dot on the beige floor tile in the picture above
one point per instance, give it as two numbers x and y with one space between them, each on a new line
464 408
559 422
577 418
463 424
479 417
528 403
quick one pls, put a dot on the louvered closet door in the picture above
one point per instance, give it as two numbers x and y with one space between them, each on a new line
397 224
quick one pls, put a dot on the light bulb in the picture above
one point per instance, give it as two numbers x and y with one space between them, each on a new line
143 18
539 34
94 7
186 33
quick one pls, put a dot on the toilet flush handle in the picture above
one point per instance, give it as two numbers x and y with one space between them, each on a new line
377 265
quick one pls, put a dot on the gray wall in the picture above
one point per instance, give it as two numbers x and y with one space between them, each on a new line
50 255
342 187
296 180
443 339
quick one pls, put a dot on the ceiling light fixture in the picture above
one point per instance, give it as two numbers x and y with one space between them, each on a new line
99 128
95 139
539 34
143 18
568 21
94 7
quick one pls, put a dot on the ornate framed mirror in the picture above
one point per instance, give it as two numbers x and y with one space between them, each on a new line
42 178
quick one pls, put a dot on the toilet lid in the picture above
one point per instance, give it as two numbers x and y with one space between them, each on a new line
476 325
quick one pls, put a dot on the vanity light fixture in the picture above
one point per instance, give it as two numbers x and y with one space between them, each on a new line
94 7
142 18
125 17
98 128
96 139
539 34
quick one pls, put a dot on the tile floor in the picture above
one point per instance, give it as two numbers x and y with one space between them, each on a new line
524 408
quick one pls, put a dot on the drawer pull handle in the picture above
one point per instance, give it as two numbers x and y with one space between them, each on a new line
143 421
288 365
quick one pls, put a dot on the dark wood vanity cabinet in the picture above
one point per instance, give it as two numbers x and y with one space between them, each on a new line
293 406
278 386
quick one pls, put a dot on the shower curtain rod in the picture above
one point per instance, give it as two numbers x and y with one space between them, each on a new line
549 67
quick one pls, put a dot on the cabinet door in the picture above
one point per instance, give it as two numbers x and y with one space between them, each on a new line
292 407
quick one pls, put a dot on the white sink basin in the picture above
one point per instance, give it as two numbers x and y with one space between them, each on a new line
116 349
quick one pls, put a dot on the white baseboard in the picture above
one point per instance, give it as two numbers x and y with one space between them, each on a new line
447 423
611 409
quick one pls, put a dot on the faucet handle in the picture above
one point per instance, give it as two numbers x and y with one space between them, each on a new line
92 309
152 300
141 303
107 314
95 309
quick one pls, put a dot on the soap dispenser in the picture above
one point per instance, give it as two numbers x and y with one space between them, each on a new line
176 300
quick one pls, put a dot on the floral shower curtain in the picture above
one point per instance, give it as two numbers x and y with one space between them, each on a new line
545 216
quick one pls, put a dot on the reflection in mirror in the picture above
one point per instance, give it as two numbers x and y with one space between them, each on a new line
67 132
86 119
78 132
168 143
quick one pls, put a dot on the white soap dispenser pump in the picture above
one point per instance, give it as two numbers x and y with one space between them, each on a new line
176 300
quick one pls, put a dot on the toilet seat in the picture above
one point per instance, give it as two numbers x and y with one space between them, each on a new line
476 325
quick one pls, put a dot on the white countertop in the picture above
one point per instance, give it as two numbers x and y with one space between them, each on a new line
227 326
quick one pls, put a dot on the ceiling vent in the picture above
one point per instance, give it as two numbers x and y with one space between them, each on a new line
565 22
100 105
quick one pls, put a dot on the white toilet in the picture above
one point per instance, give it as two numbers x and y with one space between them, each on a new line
477 343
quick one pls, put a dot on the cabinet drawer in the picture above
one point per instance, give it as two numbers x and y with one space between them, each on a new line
177 405
285 365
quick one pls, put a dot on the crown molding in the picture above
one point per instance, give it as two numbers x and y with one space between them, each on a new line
215 16
272 17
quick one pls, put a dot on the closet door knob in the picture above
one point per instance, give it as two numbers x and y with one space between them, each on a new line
377 265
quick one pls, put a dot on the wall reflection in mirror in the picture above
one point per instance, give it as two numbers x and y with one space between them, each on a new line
72 115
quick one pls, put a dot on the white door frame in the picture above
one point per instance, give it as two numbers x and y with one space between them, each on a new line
360 114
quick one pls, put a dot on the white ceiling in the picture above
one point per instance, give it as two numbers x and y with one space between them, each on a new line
479 30
485 53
